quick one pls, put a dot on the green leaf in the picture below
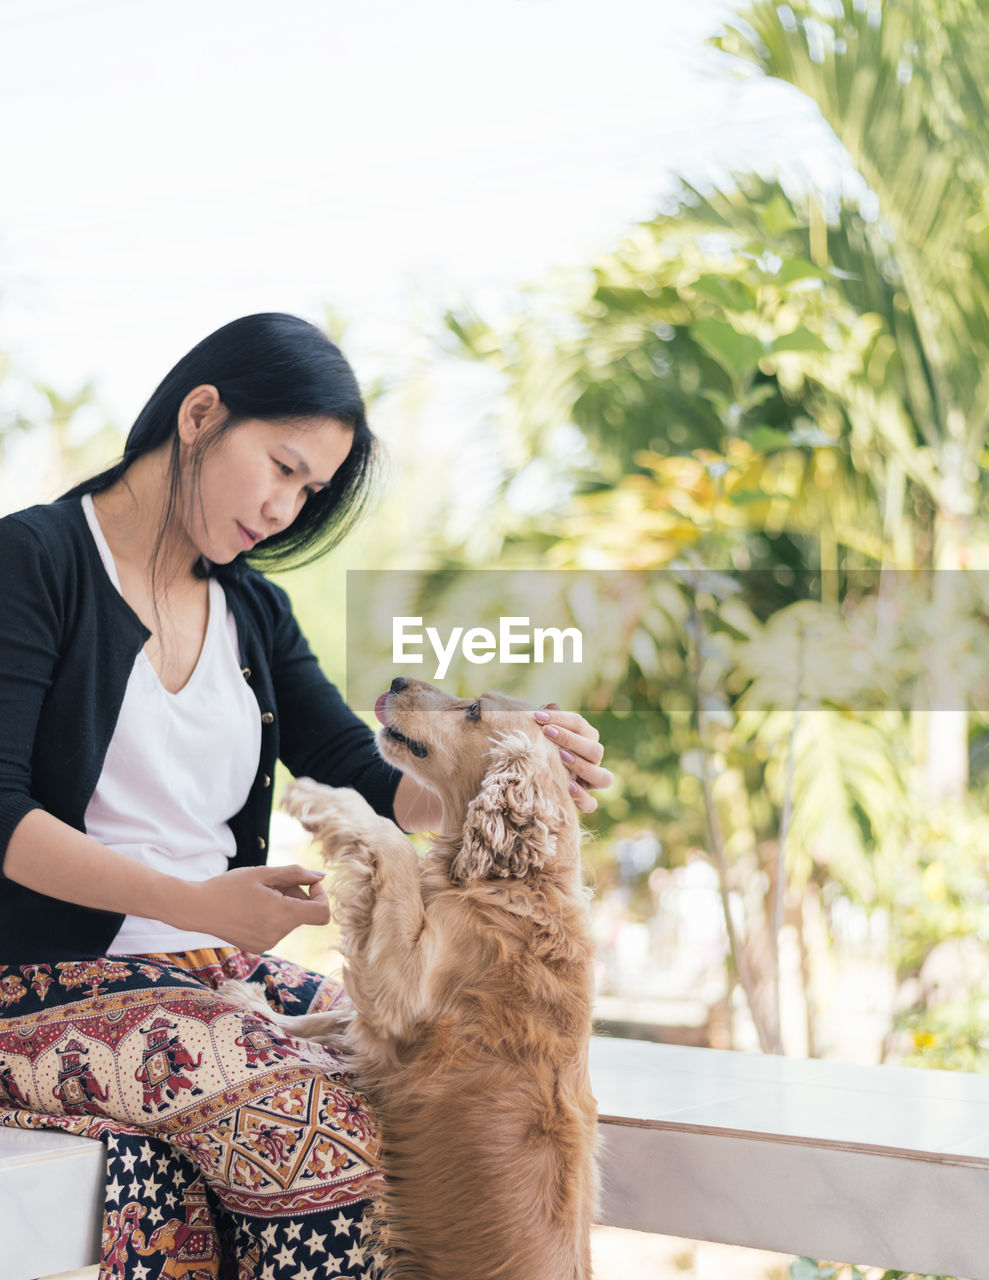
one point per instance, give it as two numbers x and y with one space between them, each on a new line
737 353
777 216
767 439
733 295
794 269
807 436
800 339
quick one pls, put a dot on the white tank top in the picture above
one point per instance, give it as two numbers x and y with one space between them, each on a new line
178 767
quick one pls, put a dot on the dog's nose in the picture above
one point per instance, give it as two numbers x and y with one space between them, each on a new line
398 684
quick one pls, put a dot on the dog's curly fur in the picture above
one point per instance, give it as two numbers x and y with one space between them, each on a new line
470 977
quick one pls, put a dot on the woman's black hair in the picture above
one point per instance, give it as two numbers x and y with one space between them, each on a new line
276 368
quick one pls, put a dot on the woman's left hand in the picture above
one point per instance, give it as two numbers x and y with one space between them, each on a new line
581 749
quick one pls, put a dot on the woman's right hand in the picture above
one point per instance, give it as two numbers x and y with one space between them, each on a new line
254 907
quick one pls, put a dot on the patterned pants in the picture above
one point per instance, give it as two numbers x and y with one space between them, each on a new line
233 1151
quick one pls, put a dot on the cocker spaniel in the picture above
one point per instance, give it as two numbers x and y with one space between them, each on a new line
470 977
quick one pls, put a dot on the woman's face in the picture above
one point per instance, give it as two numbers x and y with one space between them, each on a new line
254 480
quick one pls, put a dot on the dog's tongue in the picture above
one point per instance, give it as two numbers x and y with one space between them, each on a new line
379 708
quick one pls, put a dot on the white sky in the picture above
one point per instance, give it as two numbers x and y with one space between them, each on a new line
167 165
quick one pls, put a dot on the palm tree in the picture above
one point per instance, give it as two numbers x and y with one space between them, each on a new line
767 384
903 86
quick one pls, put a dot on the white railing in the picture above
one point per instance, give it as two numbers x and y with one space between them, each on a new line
887 1166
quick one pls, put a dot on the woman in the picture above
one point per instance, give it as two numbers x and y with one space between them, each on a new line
149 680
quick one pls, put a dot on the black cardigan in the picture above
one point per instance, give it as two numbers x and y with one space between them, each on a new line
68 642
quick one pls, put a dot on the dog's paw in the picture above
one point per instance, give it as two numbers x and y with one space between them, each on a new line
337 816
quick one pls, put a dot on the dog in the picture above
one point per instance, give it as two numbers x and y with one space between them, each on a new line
470 976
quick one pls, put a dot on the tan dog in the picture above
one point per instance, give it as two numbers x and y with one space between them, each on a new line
470 977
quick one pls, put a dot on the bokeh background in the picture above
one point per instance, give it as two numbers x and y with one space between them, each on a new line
694 295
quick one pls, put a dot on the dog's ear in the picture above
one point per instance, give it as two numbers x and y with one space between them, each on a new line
510 824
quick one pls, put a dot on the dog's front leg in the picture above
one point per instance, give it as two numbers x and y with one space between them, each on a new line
378 905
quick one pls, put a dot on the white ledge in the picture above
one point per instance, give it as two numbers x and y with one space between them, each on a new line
886 1166
51 1202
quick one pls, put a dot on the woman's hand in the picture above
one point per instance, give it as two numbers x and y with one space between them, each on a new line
254 907
581 750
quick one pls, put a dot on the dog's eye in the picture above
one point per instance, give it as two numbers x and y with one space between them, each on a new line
474 711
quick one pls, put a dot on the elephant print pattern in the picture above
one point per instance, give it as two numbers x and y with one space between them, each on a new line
234 1152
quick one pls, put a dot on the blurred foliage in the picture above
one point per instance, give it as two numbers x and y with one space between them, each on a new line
948 1037
809 1269
49 439
903 85
758 380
